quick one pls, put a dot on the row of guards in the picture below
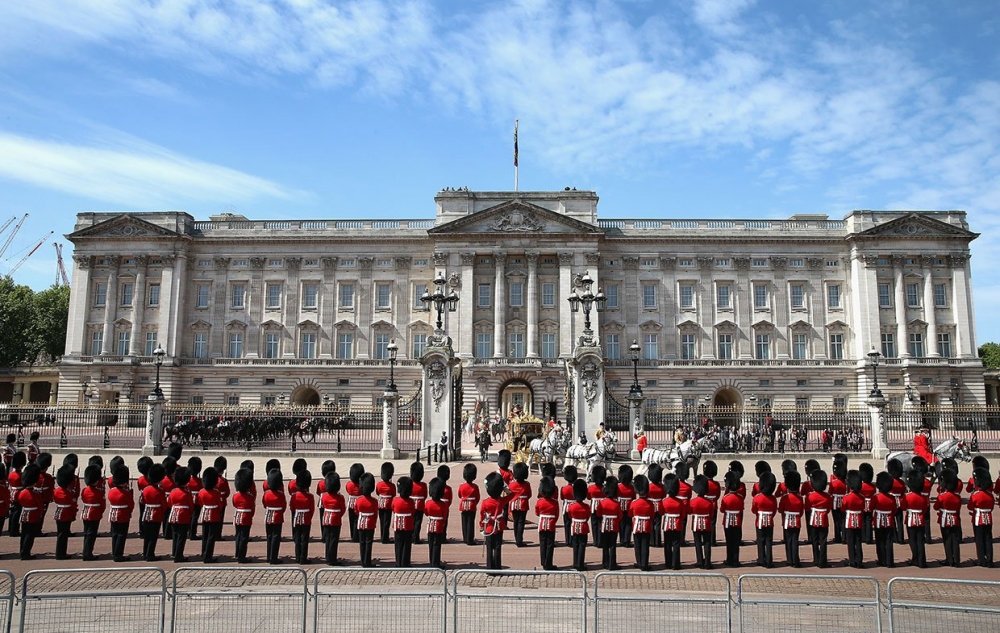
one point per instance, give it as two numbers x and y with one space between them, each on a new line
419 600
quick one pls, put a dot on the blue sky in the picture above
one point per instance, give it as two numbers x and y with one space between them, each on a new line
305 108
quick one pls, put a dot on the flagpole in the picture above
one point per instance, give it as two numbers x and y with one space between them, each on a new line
515 154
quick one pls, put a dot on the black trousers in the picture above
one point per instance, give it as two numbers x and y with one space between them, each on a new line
29 532
366 539
672 548
918 548
119 535
984 544
434 542
331 542
838 525
546 549
89 538
353 524
300 537
566 523
210 533
469 527
241 541
193 528
656 538
855 555
403 542
2 520
595 529
579 544
62 538
792 546
899 533
734 538
765 554
520 518
418 521
168 528
641 545
884 538
494 550
819 544
273 535
15 518
625 531
609 550
178 540
952 538
867 528
703 549
150 534
384 518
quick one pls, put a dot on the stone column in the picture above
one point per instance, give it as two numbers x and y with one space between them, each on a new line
593 260
705 307
402 300
636 403
532 305
110 303
466 305
153 445
499 305
669 305
743 307
176 282
438 394
929 316
876 408
218 343
291 306
390 425
138 306
780 311
902 344
255 306
588 389
566 317
79 307
961 306
329 306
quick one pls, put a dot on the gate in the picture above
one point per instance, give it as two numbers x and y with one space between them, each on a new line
409 423
353 599
253 599
455 438
661 601
512 601
840 604
933 605
616 419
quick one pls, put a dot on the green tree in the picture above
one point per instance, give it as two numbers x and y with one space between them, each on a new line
48 331
16 314
990 353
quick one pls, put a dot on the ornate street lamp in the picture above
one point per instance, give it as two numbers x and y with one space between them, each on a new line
440 301
158 355
392 349
876 393
588 300
633 352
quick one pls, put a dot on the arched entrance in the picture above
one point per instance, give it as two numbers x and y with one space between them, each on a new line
513 393
305 397
727 404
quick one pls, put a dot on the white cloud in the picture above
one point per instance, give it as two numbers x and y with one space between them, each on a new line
720 16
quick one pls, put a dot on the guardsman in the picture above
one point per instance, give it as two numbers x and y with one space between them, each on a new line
142 467
334 508
9 450
641 512
4 497
610 514
33 450
595 492
419 496
711 470
353 489
503 466
948 505
492 521
385 490
760 468
468 502
566 497
244 506
838 488
298 465
17 465
121 503
700 511
731 510
436 512
868 492
915 517
153 504
301 506
981 505
274 503
656 494
547 511
65 509
447 494
213 508
672 512
818 505
765 507
32 509
854 511
884 519
626 493
92 498
194 487
682 471
367 513
179 517
791 509
579 514
520 501
404 509
895 468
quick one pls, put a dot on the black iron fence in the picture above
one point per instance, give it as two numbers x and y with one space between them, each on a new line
72 425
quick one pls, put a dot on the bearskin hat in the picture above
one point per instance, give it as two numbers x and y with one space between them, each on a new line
303 479
819 480
94 459
444 473
327 466
20 459
113 465
120 476
142 465
298 465
883 482
978 461
709 468
919 463
767 483
194 465
761 467
610 487
494 485
520 471
682 470
580 490
271 464
570 474
546 488
894 467
243 480
915 481
221 464
174 450
549 470
332 481
625 474
982 478
810 466
417 472
64 476
435 488
169 465
655 472
404 487
732 481
597 474
641 485
469 472
853 481
671 485
840 465
91 475
867 472
737 467
787 465
275 481
700 485
949 480
247 464
793 480
367 484
355 472
387 470
182 476
30 474
503 459
155 474
210 478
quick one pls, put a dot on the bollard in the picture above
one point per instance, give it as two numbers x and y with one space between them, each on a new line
428 454
20 435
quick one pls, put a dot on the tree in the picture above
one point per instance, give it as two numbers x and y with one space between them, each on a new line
990 353
48 331
17 311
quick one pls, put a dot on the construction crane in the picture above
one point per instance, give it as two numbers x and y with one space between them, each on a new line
61 278
34 248
10 238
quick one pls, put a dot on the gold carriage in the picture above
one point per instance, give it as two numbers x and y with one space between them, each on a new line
521 429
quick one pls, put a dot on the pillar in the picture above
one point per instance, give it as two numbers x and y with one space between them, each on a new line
390 425
499 305
110 302
532 305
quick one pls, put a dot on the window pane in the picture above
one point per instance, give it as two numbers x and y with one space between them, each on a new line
725 346
310 294
762 346
127 289
239 296
687 346
150 344
940 295
687 296
484 344
889 345
235 345
759 296
418 292
833 296
650 347
612 295
913 295
202 300
381 350
485 297
123 342
271 342
100 293
200 345
836 346
516 294
273 300
723 296
798 295
346 296
944 344
799 346
154 294
383 296
884 296
648 296
612 346
308 346
419 345
549 345
345 345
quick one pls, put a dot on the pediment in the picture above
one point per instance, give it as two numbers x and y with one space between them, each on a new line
123 322
548 323
236 324
836 323
612 326
725 324
271 324
419 324
916 323
514 217
763 324
201 324
308 323
344 324
650 325
917 226
799 324
689 324
382 324
123 227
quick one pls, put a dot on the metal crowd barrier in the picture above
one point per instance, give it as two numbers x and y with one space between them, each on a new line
776 602
7 583
353 599
511 601
925 604
124 600
654 601
239 599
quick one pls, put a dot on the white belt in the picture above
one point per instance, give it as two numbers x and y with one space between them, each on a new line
114 507
153 505
66 505
790 518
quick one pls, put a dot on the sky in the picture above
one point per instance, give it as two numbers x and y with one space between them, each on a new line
319 109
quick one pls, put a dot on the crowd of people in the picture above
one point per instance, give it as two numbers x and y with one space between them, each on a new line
769 437
612 511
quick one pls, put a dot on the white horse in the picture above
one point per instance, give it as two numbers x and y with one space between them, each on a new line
600 452
954 448
689 451
546 449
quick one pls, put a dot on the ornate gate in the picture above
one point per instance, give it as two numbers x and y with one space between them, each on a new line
455 437
410 421
616 418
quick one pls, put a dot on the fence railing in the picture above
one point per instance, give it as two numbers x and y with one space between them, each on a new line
105 425
353 599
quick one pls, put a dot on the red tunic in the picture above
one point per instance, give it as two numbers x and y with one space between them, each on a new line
579 516
155 504
673 510
916 505
92 498
701 514
65 504
897 492
141 482
491 515
507 474
609 511
223 488
642 511
274 505
520 496
353 492
883 511
741 490
212 505
244 506
436 513
765 507
818 505
854 509
594 492
334 507
180 502
791 508
731 508
547 511
656 495
121 501
403 510
167 484
626 494
14 483
922 448
948 504
981 505
419 495
302 505
641 444
838 488
367 508
386 492
468 497
868 494
45 485
32 505
683 491
566 497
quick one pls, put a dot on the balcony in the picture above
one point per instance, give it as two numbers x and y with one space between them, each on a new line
516 362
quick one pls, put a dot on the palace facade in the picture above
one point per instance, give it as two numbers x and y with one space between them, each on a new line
725 312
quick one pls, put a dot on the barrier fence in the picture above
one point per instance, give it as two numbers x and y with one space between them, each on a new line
105 425
352 599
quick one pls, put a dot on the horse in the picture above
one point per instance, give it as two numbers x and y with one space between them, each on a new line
954 448
498 429
483 443
689 451
600 452
547 448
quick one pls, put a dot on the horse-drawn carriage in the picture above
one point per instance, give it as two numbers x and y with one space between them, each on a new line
521 430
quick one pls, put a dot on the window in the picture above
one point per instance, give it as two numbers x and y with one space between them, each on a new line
345 345
96 342
381 351
888 345
484 296
235 344
233 399
648 295
201 300
796 262
307 345
612 293
802 402
690 382
272 299
239 297
685 262
418 293
913 295
383 296
310 296
150 344
419 345
154 295
100 294
516 294
884 296
723 296
916 344
940 295
515 345
272 341
124 338
760 296
200 347
688 403
612 346
944 344
800 346
484 344
650 347
549 349
758 262
798 296
762 346
726 346
346 296
838 382
233 381
688 343
127 289
198 400
687 296
549 295
723 262
837 346
833 296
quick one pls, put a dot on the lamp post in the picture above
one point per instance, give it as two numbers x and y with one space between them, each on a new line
876 404
876 393
439 300
588 300
158 355
392 349
633 352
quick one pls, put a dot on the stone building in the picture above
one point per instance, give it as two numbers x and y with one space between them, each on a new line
725 312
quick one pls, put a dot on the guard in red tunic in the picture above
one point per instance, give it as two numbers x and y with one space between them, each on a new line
760 468
142 467
700 512
595 492
579 515
683 471
367 513
731 510
922 444
244 506
328 466
520 502
868 491
765 508
18 461
656 494
503 466
447 494
838 488
547 511
790 509
711 470
92 498
274 503
333 508
609 511
298 465
32 509
65 509
786 466
818 505
154 506
626 493
436 512
736 466
915 515
809 467
4 497
492 521
884 520
566 497
167 486
385 491
181 506
194 487
121 503
895 468
33 449
948 505
641 512
221 465
981 505
419 496
468 501
854 510
920 465
403 514
672 510
302 506
353 490
212 510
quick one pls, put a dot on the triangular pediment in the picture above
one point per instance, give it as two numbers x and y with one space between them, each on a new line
236 324
650 325
725 324
515 217
271 324
201 324
799 324
344 324
836 323
916 323
123 227
689 324
419 324
917 226
763 324
308 324
612 326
